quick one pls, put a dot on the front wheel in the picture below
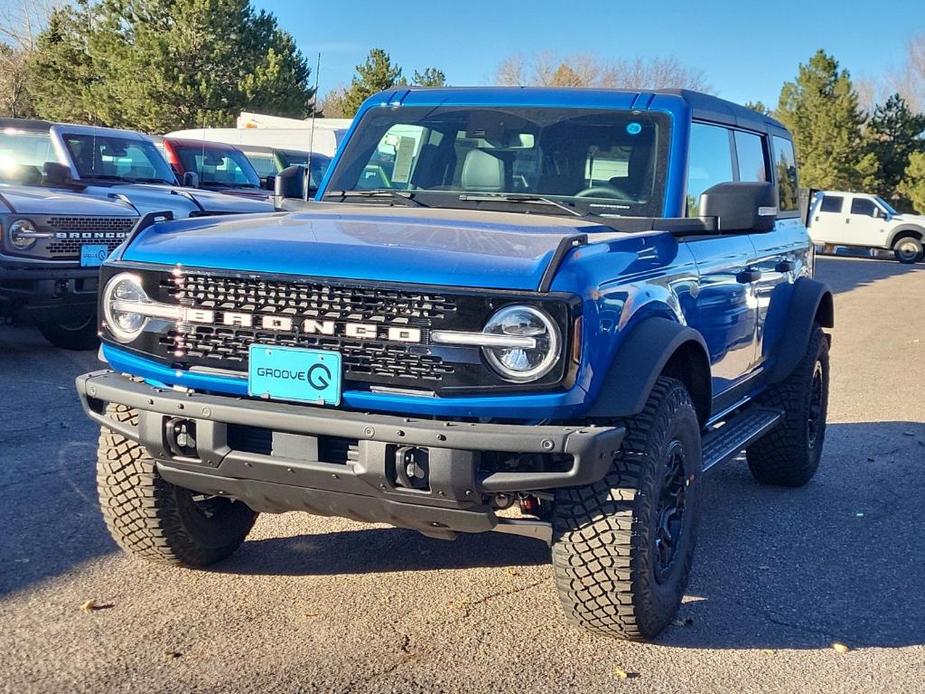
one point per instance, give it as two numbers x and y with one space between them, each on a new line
76 332
153 519
623 547
908 250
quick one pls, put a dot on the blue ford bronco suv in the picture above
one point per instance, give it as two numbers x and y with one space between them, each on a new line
532 311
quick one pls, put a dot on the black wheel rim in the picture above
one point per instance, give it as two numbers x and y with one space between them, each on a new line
672 502
76 325
815 420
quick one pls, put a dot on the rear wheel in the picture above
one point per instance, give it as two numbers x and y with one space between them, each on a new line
156 520
789 454
623 547
75 332
908 250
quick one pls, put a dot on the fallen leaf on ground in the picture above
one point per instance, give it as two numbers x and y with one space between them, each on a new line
908 433
683 621
512 572
767 651
840 647
93 606
623 674
172 655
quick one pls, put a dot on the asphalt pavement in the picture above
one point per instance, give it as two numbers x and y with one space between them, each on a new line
320 604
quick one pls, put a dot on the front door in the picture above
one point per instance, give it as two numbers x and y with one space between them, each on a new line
864 224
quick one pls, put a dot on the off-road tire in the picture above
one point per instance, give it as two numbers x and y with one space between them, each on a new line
607 572
76 333
908 250
153 519
789 454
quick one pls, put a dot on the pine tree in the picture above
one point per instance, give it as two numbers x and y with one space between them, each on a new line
892 135
912 187
430 77
160 65
758 106
377 74
821 109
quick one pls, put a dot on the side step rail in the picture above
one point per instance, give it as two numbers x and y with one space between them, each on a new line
737 433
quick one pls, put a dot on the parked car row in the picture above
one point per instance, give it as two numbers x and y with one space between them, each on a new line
70 194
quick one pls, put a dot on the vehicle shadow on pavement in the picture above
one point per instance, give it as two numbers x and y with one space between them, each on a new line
842 559
846 273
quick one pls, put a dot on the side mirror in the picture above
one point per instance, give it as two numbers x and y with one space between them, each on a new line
740 207
290 182
269 183
191 179
55 174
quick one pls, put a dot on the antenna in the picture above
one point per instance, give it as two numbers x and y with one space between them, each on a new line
307 180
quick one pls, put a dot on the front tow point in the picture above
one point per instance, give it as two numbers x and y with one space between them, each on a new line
412 468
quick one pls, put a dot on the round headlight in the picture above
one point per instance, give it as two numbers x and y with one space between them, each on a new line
121 293
535 343
22 234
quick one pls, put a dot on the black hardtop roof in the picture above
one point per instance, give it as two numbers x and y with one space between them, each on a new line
30 124
704 107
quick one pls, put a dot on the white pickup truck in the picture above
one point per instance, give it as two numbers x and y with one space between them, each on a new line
866 221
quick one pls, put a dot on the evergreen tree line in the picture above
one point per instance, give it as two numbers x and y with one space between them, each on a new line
161 65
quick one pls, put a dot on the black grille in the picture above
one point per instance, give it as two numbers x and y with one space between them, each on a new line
364 359
102 231
90 223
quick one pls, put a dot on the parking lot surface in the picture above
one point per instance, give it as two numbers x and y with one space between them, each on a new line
319 604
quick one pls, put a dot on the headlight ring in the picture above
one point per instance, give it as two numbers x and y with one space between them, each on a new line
122 291
524 363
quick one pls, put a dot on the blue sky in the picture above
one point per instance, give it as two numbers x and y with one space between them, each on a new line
746 49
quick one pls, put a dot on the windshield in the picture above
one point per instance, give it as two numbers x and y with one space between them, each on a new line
319 164
22 155
218 168
264 163
110 157
598 161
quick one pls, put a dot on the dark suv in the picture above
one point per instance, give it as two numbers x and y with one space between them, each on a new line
533 311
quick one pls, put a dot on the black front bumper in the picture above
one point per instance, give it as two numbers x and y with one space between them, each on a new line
46 292
291 476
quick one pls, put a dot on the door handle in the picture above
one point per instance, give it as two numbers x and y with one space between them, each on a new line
784 266
748 275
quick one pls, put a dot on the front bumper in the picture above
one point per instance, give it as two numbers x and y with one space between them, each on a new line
290 474
47 291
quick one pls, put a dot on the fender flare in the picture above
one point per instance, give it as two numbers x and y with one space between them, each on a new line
810 302
639 362
903 228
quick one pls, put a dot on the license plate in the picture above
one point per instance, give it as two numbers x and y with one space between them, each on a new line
93 255
292 373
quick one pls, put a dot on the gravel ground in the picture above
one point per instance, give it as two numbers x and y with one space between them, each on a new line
316 604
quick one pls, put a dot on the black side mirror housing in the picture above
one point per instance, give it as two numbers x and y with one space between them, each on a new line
290 182
740 207
55 174
191 179
269 183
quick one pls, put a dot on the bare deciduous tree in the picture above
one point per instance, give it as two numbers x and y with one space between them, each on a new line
20 25
588 70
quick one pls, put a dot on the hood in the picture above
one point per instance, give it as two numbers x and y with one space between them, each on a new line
45 201
181 201
908 218
419 246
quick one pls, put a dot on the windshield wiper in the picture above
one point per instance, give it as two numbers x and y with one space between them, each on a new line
403 196
529 199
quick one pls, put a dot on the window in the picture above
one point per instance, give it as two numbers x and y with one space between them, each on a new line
788 186
217 168
109 157
599 160
753 166
863 206
832 203
710 162
22 155
264 163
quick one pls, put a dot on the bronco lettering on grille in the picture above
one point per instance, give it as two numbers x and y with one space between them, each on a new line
308 326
